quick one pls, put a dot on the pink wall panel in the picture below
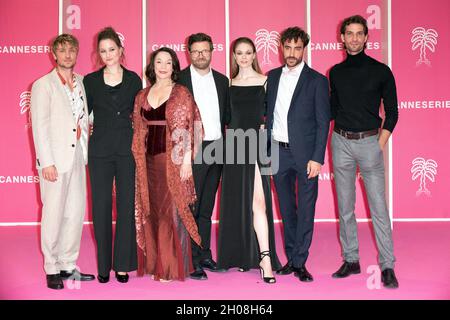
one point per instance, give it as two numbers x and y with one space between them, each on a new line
263 22
326 51
264 18
25 36
84 19
170 22
421 50
326 18
420 64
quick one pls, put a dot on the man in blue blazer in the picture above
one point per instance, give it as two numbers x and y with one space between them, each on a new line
297 122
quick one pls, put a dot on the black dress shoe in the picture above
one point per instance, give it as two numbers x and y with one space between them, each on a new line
198 274
286 269
347 269
123 278
103 279
388 278
211 265
54 281
76 275
303 274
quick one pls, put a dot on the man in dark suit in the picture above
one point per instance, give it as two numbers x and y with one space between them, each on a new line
298 119
210 91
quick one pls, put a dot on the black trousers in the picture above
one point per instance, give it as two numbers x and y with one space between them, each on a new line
206 179
297 214
103 171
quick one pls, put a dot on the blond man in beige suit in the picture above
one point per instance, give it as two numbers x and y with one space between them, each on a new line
60 131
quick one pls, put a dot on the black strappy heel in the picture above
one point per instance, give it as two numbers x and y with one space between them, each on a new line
262 255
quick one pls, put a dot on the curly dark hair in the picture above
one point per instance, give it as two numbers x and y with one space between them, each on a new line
354 19
294 33
150 69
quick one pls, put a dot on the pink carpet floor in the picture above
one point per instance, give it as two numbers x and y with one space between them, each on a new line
422 250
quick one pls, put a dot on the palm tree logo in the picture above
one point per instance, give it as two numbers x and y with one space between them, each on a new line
267 41
424 39
425 169
24 104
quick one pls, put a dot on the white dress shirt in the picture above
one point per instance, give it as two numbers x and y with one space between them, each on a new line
205 95
286 87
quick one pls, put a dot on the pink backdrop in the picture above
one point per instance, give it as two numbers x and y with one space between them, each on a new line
85 19
170 22
25 36
271 20
265 32
424 127
326 50
421 75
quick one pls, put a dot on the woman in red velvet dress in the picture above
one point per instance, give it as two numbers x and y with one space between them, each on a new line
167 130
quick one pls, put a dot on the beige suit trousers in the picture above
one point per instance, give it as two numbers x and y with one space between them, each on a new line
64 206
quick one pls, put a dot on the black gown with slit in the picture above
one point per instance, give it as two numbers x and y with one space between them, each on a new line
237 240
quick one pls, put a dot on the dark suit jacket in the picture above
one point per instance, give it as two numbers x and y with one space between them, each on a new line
222 87
113 132
308 117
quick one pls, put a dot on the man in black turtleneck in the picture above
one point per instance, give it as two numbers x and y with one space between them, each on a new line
357 86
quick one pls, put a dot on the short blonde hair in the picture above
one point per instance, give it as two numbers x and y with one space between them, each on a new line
62 39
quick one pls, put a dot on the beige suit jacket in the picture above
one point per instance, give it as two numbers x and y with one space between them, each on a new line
54 128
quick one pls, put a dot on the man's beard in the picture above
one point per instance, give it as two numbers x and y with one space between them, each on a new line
297 61
202 64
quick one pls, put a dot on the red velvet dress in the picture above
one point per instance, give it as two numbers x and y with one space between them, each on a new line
164 221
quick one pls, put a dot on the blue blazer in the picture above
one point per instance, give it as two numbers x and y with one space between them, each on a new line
308 117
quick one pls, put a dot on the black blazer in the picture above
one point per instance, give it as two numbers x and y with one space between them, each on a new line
308 117
223 92
113 131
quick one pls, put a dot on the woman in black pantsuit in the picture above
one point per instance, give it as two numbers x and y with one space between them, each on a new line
110 93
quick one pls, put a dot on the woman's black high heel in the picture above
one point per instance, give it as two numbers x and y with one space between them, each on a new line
262 255
103 279
123 278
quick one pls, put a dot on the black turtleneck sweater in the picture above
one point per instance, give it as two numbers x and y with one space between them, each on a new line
357 86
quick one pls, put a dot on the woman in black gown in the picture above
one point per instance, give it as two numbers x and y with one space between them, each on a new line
246 232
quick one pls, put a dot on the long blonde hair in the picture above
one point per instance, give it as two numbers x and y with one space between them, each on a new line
234 65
